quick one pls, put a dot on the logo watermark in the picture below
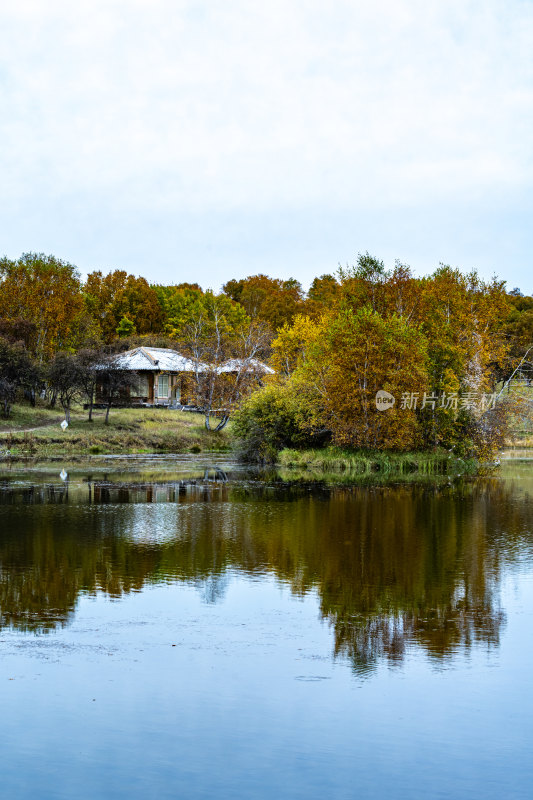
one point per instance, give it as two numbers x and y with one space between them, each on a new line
384 400
472 401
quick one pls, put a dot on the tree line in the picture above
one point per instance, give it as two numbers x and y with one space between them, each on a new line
45 304
362 329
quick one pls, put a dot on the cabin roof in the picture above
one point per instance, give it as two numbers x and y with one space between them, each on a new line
250 365
161 359
154 359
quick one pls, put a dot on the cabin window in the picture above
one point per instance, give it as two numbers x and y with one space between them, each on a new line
142 387
162 386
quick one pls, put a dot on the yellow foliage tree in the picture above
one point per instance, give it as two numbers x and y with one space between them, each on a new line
355 354
290 346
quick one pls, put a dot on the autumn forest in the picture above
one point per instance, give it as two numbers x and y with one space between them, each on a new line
441 346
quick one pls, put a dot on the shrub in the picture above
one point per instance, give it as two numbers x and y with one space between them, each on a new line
270 420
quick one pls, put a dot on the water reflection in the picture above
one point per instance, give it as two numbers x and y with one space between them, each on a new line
393 567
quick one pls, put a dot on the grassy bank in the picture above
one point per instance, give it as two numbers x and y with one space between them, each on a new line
334 459
37 432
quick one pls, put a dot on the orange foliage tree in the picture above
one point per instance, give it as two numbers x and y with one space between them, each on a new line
118 296
272 300
324 293
46 291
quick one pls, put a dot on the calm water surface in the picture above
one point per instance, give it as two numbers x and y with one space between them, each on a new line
170 629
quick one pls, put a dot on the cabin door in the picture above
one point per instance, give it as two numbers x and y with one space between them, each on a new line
162 388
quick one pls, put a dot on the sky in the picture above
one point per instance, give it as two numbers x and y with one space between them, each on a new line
200 141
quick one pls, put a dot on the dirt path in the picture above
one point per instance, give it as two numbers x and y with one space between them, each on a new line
57 421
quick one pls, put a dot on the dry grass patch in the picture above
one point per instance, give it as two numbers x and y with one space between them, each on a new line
130 430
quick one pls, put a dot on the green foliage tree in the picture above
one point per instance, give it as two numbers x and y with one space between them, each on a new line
125 328
180 304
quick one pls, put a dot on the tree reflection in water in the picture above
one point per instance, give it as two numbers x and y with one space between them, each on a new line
393 567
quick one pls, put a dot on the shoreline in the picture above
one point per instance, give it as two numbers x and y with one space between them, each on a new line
35 433
338 460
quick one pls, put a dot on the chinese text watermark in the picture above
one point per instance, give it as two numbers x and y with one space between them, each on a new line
472 401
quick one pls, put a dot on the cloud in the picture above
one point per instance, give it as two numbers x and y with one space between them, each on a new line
146 107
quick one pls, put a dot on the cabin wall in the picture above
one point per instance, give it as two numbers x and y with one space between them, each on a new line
161 389
144 391
172 388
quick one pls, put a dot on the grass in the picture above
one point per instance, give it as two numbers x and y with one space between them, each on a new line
130 430
335 459
25 416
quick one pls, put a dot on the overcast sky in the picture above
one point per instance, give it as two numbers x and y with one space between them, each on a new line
202 141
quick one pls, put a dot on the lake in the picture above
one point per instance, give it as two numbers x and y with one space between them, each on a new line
191 628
